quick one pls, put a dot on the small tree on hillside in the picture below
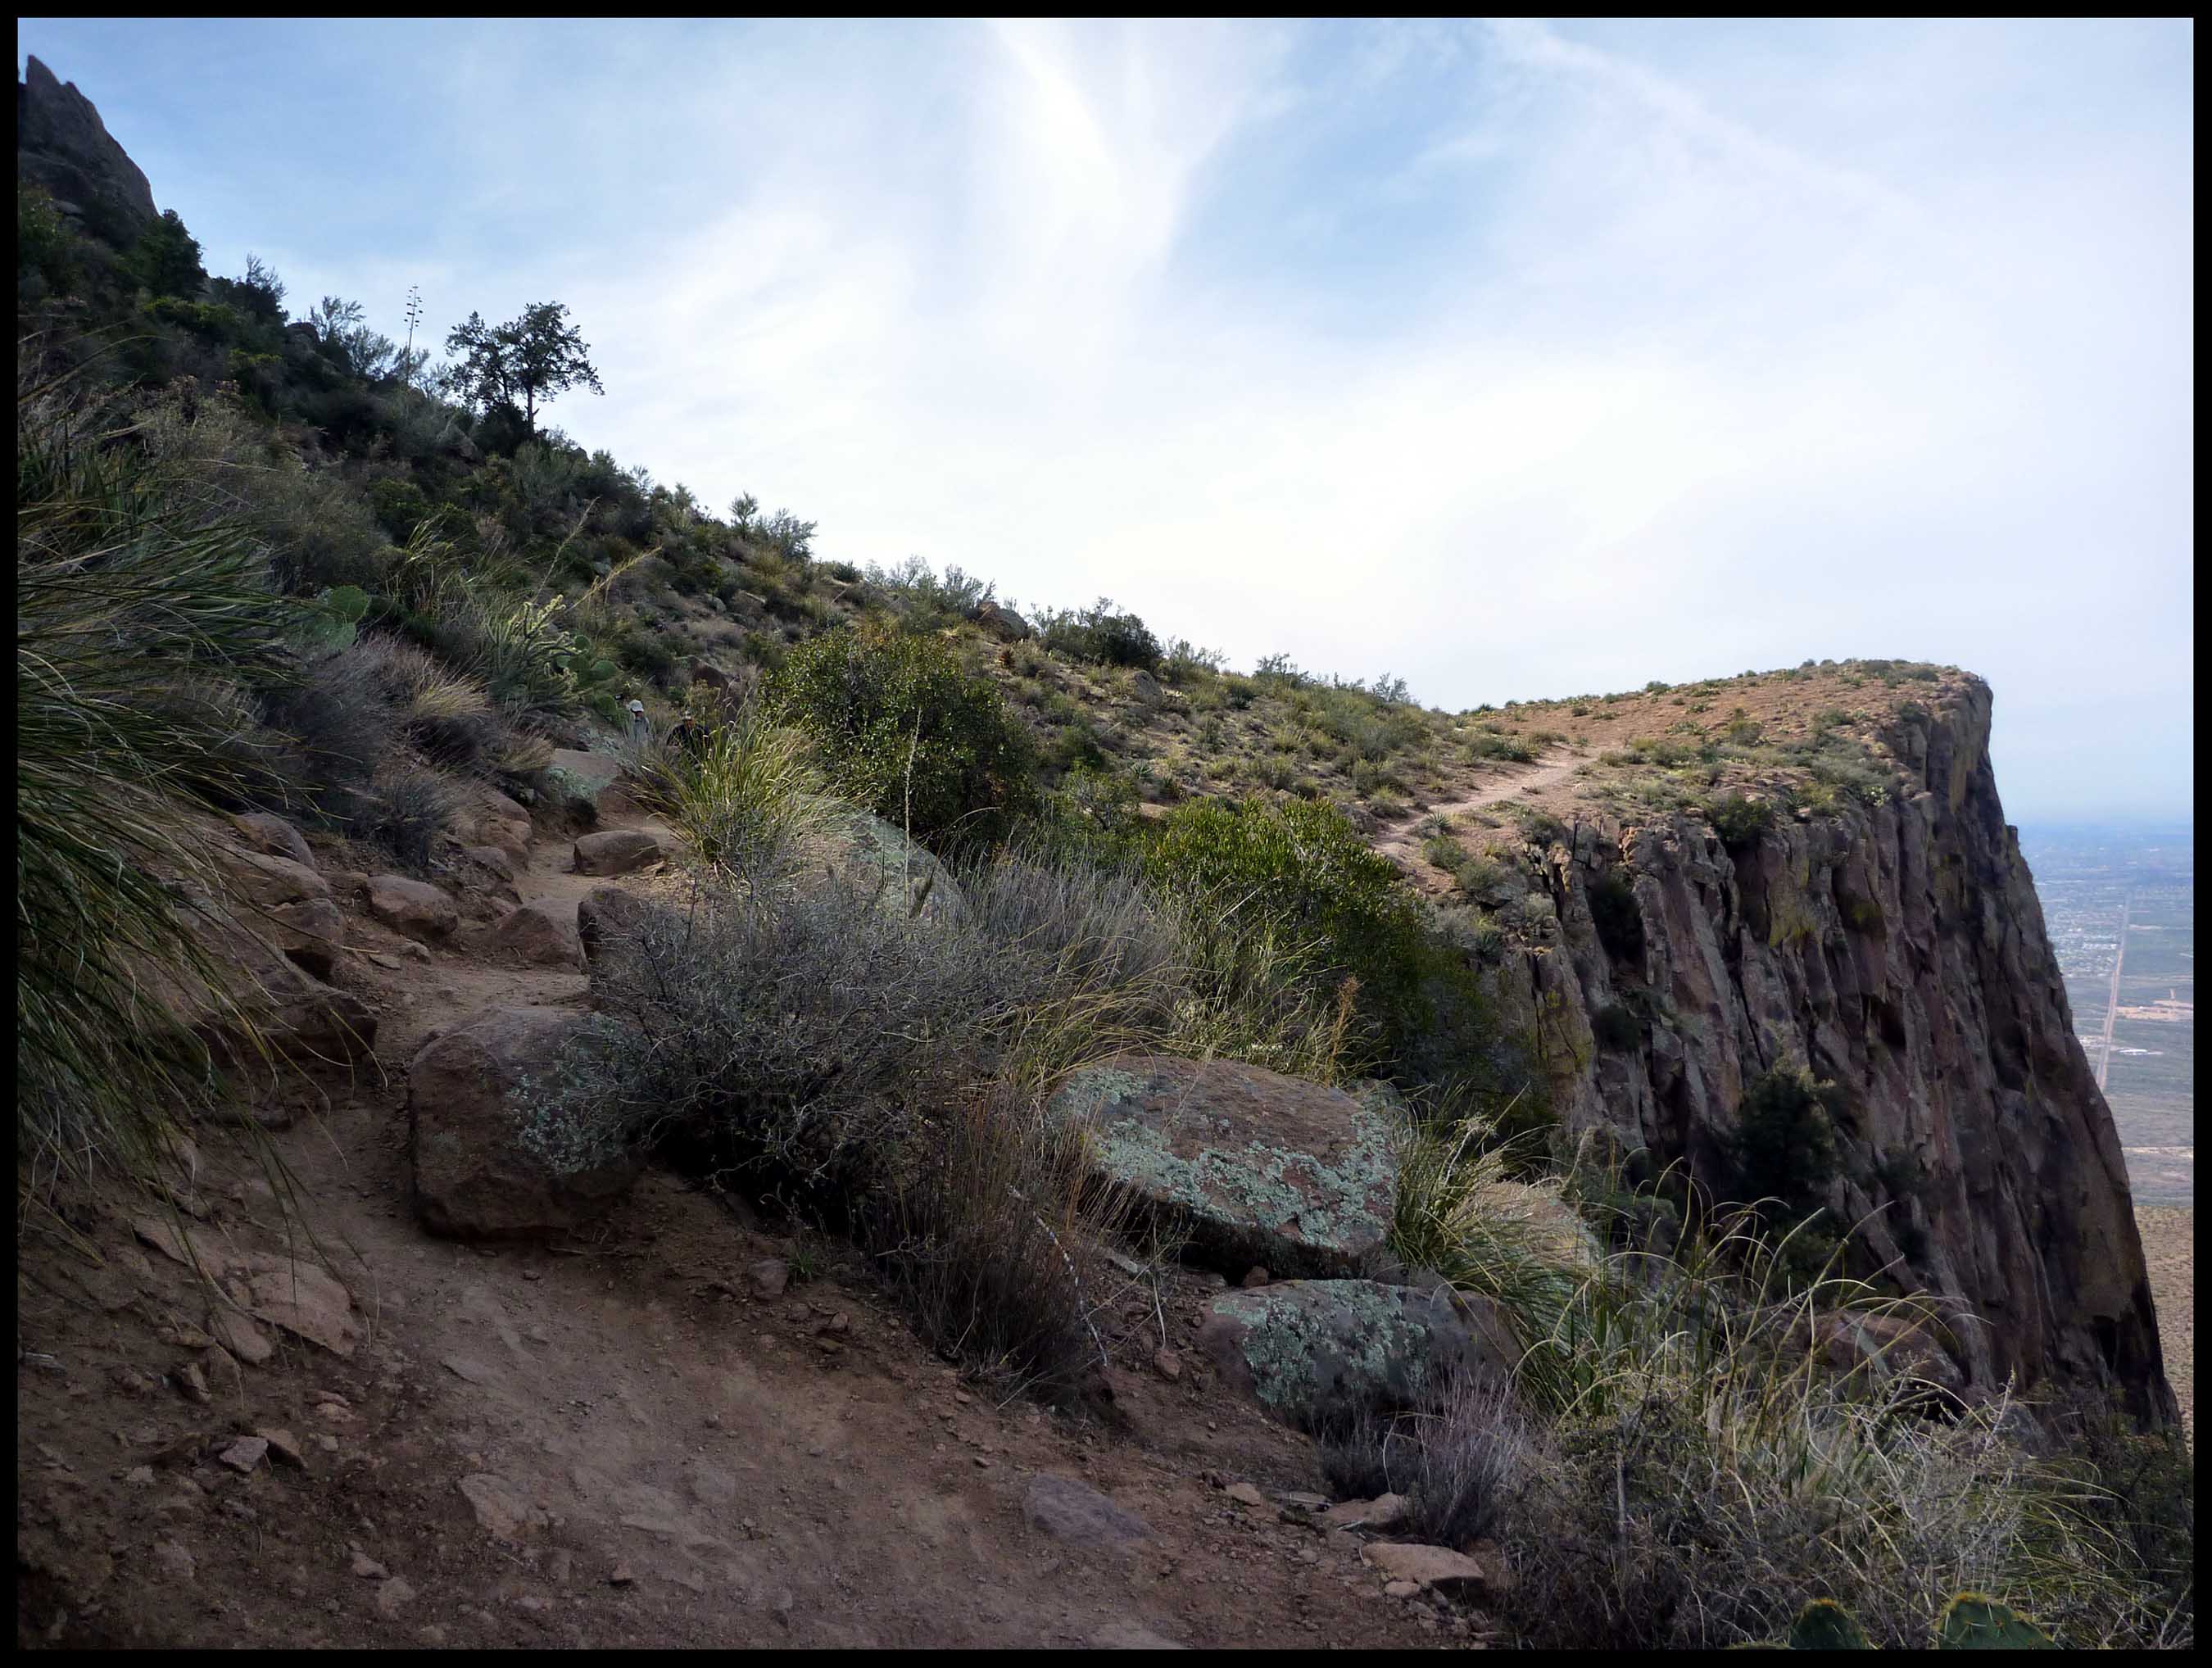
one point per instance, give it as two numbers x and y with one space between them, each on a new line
512 366
167 259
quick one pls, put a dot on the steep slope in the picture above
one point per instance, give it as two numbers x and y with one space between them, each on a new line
1898 949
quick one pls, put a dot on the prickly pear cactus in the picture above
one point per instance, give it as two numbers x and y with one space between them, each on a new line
1976 1622
1825 1625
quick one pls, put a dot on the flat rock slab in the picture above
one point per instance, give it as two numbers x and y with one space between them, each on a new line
618 851
501 1507
1318 1354
1076 1513
413 907
474 1178
1437 1569
1250 1165
289 1292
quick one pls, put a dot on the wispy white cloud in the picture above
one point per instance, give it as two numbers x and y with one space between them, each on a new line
1520 359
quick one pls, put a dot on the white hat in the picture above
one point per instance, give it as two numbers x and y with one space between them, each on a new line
637 706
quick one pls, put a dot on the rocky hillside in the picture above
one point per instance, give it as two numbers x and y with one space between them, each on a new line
1890 941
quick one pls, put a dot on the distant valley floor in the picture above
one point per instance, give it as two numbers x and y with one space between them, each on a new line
2169 1237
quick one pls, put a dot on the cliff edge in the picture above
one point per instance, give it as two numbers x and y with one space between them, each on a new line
1887 937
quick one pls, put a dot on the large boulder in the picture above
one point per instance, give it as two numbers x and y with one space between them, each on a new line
497 820
413 907
289 903
608 914
868 852
535 934
1319 1354
1002 622
619 850
475 1177
576 779
1885 1346
269 1003
1248 1165
300 1020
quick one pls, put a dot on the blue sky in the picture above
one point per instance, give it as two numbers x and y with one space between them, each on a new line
1519 359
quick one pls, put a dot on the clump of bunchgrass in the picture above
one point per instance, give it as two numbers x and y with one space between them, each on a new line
740 798
136 623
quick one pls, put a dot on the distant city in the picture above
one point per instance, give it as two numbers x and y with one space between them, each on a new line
2120 902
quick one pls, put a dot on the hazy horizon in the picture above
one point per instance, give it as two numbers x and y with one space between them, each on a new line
1521 360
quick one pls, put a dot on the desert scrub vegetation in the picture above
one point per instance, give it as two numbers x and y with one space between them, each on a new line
740 797
143 632
904 731
890 1069
1682 1468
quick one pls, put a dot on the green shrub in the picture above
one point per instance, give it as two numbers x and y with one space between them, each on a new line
1422 1007
1099 634
1618 916
906 732
1738 819
1616 1028
1785 1144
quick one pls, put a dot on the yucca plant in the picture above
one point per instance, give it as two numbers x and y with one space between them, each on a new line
138 625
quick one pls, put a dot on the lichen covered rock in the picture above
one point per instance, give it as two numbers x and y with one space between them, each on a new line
1318 1354
868 852
475 1176
1252 1166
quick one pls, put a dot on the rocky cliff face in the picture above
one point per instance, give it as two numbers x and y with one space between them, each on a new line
1899 951
62 144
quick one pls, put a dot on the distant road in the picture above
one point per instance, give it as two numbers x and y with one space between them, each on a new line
2112 996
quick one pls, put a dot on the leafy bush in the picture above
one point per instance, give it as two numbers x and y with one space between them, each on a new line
1616 1028
1784 1145
1617 915
906 732
1738 819
1421 1008
1099 634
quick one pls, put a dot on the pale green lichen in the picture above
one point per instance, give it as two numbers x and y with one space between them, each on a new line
1312 1344
1251 1198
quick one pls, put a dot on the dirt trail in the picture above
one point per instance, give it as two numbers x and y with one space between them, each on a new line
1401 843
621 1441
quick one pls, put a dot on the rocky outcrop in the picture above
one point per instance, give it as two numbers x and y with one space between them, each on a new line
868 852
289 906
1897 950
62 144
1248 1165
607 915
